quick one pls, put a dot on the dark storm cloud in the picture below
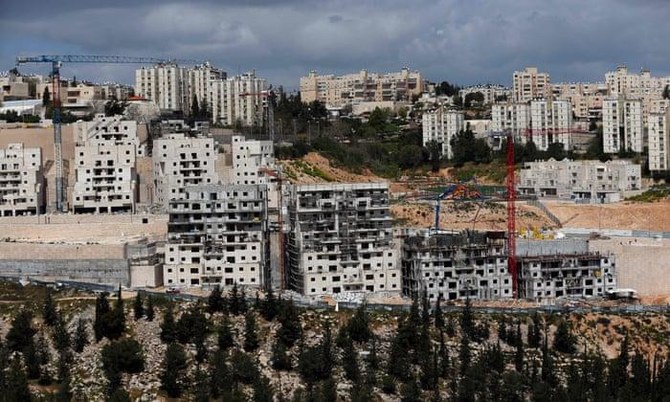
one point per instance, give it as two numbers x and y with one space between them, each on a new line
462 41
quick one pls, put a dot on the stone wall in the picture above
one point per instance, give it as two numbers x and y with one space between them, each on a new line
40 251
102 271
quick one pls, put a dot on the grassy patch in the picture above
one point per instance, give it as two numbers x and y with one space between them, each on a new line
654 194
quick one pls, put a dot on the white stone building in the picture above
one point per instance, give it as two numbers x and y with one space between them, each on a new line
491 92
337 91
21 181
514 117
105 175
530 84
442 125
456 265
341 240
550 122
165 84
240 100
180 161
623 127
659 141
589 180
217 236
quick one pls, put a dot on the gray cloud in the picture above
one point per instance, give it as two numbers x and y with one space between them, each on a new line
461 41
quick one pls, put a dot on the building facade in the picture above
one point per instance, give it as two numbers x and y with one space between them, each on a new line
563 268
21 181
550 122
442 125
337 91
340 239
456 265
659 141
623 125
590 180
217 236
530 84
180 161
164 84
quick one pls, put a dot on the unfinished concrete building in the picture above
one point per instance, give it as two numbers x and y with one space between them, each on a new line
105 154
217 236
340 239
181 160
563 268
21 181
456 265
587 180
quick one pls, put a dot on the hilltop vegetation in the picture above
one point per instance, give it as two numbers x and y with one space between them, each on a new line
226 348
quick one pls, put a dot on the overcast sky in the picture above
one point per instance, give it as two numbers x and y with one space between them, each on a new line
462 41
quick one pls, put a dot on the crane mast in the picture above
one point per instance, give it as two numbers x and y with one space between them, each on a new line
56 62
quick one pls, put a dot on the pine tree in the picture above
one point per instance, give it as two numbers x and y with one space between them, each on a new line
262 390
21 333
430 372
220 379
116 323
467 321
350 362
226 338
138 307
215 301
195 109
61 337
250 332
410 392
201 389
119 395
328 390
102 311
43 358
439 318
80 336
444 358
280 359
534 332
168 326
173 370
465 355
291 329
32 361
564 341
269 305
150 313
49 310
17 382
358 327
235 304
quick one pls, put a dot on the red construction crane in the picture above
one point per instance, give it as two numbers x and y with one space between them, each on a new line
511 215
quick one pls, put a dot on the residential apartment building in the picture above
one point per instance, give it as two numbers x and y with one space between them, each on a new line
586 98
456 265
550 122
589 180
217 236
530 84
164 84
514 117
441 125
340 239
21 181
200 82
492 93
623 127
621 82
241 99
659 141
181 160
337 91
106 149
563 268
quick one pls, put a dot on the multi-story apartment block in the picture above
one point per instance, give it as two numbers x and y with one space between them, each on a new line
165 84
623 127
337 91
635 86
21 181
340 239
442 125
586 98
492 93
563 268
105 176
514 117
181 161
456 265
530 84
550 122
659 141
217 236
240 100
200 82
581 180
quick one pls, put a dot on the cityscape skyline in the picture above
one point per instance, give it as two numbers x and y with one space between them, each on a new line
476 42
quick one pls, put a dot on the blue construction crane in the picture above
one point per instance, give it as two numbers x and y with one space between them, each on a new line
56 62
454 191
